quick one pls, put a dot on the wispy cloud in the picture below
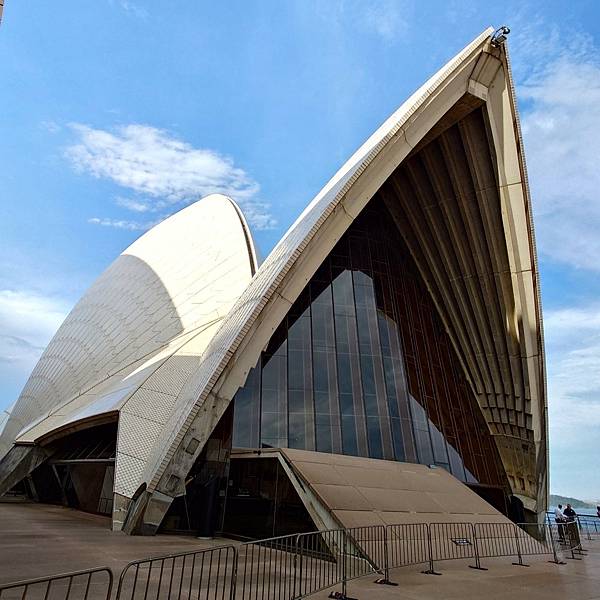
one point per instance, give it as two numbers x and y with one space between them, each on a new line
574 357
50 126
561 120
124 223
163 171
386 18
140 205
27 323
131 8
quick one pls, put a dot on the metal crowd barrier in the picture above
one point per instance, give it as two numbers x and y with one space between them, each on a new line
452 541
328 558
296 566
589 525
567 537
408 544
205 574
508 539
267 569
78 585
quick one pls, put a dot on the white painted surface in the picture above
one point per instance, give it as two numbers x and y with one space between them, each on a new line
137 334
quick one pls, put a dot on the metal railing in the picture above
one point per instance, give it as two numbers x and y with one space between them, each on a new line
93 584
267 569
518 541
202 575
589 525
566 536
408 544
296 566
451 541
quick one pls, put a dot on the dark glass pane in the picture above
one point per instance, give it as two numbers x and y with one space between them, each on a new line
349 441
270 401
371 405
347 404
398 440
296 432
247 412
374 433
324 438
322 403
296 401
344 374
299 375
368 375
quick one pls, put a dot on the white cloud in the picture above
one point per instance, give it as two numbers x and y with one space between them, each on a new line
140 205
51 126
573 363
27 323
561 122
388 19
124 224
385 18
132 8
164 170
573 347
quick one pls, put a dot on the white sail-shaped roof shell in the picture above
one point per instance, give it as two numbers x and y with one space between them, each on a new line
131 342
169 332
481 73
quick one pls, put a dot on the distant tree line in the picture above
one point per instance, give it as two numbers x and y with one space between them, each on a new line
574 502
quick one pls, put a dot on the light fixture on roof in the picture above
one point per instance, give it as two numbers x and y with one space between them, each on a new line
499 36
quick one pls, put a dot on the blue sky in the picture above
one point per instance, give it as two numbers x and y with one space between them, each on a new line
116 113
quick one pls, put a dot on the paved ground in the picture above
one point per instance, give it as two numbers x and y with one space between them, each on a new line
39 540
576 580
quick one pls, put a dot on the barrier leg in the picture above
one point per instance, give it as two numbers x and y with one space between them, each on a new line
571 540
477 564
556 560
385 580
295 567
520 563
343 594
431 570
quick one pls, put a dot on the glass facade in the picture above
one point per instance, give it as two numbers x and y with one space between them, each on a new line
259 487
362 365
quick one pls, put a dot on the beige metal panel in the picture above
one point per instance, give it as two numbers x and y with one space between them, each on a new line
374 492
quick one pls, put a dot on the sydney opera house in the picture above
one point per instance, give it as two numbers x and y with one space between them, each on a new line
384 363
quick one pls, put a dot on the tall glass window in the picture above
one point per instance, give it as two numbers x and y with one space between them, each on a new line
362 365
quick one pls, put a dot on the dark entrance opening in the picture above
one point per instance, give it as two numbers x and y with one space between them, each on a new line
492 495
261 501
80 471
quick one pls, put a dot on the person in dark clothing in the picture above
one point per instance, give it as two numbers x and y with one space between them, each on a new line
572 529
569 513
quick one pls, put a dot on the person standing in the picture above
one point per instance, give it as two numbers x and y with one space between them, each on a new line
559 517
569 513
571 528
